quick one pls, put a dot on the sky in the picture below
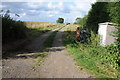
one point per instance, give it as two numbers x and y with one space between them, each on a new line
47 10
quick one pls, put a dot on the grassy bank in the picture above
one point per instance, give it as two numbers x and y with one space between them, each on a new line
97 60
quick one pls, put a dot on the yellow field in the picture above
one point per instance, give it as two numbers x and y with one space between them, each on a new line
42 25
38 28
71 27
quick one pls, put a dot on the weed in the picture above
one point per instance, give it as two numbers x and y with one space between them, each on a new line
33 69
100 61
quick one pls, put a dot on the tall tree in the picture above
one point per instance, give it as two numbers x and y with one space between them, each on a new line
77 20
114 16
97 14
60 20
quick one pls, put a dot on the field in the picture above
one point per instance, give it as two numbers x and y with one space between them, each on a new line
37 28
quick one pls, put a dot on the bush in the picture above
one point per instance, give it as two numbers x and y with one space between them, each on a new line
11 29
100 61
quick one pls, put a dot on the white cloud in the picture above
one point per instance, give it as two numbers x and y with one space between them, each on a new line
52 12
50 15
33 5
2 6
46 10
81 6
92 1
32 11
85 1
23 0
58 5
22 14
72 16
50 5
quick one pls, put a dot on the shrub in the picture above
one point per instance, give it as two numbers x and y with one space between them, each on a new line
11 29
100 61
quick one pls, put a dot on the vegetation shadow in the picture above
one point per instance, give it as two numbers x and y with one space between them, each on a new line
20 51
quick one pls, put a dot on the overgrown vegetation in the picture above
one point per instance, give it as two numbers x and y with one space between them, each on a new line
14 30
81 21
104 12
102 62
11 29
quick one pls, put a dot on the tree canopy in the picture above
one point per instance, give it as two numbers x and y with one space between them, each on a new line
100 12
60 20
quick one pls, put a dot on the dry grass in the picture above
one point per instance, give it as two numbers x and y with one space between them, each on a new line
38 28
71 27
42 25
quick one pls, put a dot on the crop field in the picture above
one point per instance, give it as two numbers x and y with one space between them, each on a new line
42 25
38 28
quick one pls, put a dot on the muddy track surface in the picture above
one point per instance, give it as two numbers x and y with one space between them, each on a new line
57 64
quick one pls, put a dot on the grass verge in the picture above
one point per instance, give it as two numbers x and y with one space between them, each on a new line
94 58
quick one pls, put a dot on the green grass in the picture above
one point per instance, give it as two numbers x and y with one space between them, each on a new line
91 63
95 59
47 44
40 57
49 41
34 32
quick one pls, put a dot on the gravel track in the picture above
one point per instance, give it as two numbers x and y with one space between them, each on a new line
57 64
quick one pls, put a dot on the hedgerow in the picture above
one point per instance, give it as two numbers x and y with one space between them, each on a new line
11 29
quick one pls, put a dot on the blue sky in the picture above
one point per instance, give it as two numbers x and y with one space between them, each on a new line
47 10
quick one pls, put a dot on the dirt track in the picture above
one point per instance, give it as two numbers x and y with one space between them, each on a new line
57 64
